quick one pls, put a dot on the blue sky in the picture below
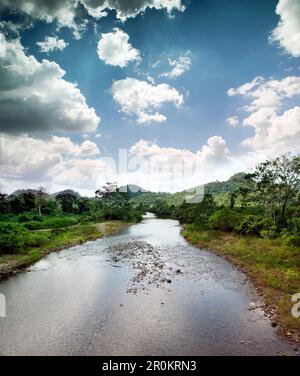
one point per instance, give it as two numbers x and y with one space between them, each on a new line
223 44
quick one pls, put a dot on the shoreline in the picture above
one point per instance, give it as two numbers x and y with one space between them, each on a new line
275 301
13 264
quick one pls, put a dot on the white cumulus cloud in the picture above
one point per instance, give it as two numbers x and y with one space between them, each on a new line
51 44
172 169
272 113
34 96
287 32
56 162
114 49
142 99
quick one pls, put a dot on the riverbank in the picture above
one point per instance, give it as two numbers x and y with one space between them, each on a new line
78 302
273 268
58 239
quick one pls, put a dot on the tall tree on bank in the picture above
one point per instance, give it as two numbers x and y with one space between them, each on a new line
106 192
39 199
278 183
68 201
115 203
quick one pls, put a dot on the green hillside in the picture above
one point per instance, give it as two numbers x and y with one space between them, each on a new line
221 191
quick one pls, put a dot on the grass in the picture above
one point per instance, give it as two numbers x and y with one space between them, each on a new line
56 239
273 268
51 222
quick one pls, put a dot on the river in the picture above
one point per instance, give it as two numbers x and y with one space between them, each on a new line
145 291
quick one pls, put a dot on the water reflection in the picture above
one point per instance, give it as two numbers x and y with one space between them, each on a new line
76 302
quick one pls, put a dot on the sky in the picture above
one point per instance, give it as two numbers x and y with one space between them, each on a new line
166 94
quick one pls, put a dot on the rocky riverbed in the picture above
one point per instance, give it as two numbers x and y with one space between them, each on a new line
145 291
150 268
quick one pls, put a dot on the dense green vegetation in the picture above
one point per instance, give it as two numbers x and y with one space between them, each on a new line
263 204
34 219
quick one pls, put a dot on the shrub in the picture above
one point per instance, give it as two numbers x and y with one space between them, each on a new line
201 222
38 218
291 240
56 232
99 216
294 226
52 222
12 237
7 217
36 239
34 225
132 216
57 222
225 219
24 218
290 236
253 225
270 233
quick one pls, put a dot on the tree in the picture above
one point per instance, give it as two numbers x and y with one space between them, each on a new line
116 203
244 193
22 202
4 203
233 197
85 204
106 191
197 212
68 201
224 219
29 200
277 184
51 206
40 199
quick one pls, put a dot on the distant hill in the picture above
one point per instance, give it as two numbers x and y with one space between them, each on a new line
133 190
219 189
35 191
22 191
226 186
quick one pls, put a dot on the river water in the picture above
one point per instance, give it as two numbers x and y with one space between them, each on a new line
145 291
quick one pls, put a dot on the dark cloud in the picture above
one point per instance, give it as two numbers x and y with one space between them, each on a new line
35 97
64 11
